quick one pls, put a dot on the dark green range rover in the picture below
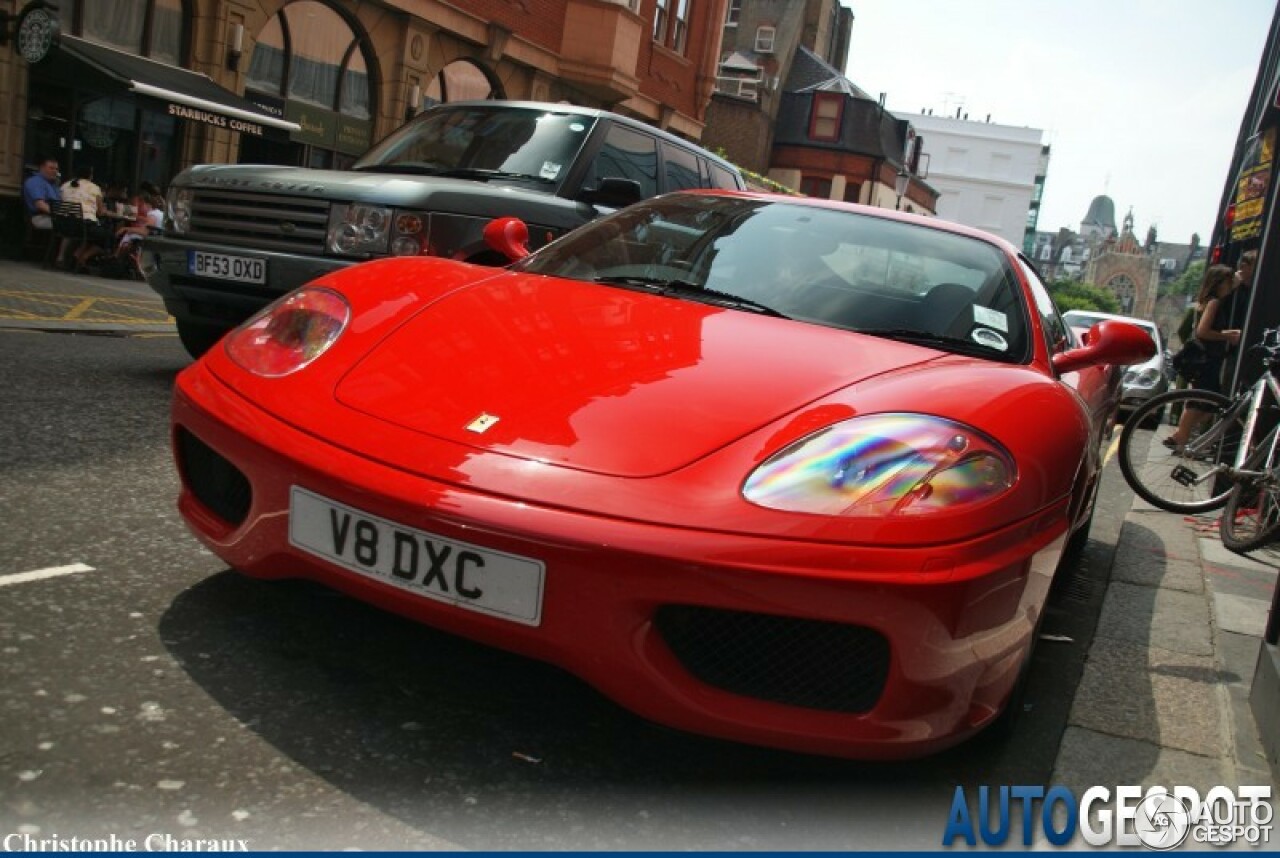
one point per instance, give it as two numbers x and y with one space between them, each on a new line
240 236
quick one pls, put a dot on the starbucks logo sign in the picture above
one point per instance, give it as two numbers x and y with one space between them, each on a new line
37 30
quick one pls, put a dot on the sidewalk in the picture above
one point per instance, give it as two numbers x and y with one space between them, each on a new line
45 299
1164 699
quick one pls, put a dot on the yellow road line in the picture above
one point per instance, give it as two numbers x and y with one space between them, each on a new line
1111 450
79 309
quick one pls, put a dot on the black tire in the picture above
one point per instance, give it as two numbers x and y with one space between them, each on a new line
1251 518
1161 476
198 339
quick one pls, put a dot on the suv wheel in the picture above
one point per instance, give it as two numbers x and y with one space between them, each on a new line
198 339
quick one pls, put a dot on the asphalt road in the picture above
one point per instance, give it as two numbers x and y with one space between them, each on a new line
160 694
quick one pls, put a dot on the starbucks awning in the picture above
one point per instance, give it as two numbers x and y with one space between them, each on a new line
180 93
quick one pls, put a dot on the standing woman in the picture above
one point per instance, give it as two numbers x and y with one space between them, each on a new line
1212 335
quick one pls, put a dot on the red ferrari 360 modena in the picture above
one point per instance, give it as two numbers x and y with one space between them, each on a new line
788 472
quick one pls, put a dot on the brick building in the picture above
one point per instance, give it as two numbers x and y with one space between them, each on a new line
783 108
139 89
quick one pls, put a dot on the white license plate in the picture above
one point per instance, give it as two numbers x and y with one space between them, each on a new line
460 573
221 266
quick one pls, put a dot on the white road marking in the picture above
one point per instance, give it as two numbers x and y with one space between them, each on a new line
41 574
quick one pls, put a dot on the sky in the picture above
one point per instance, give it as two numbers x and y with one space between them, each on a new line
1141 100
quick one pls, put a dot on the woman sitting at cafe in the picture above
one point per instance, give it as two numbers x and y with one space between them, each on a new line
84 191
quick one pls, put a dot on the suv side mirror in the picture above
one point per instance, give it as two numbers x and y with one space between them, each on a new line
613 192
508 236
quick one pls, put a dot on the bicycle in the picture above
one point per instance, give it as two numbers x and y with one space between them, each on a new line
1220 454
1251 516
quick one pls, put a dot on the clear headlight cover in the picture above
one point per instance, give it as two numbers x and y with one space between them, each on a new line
884 464
179 220
289 334
1146 378
359 230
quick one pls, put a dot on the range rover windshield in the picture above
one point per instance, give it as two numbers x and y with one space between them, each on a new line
484 142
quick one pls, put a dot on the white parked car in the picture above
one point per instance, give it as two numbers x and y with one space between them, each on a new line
1141 381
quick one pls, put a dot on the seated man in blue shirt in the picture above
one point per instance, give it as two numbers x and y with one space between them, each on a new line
40 189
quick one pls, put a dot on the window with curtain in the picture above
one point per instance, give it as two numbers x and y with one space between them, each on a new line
149 28
460 80
824 121
309 53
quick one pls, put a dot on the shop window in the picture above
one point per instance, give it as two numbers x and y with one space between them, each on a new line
824 119
309 55
319 40
149 28
266 69
460 80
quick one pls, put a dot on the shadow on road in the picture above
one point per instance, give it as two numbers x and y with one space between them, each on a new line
408 719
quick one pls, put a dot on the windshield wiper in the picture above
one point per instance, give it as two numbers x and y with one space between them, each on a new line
911 335
687 289
477 173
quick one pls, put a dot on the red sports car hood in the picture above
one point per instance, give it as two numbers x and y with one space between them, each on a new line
601 378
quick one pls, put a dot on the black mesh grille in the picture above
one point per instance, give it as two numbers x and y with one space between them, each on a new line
256 220
808 663
214 481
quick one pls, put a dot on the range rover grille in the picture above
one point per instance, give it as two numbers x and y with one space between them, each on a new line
263 221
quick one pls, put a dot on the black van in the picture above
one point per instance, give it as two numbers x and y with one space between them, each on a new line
240 236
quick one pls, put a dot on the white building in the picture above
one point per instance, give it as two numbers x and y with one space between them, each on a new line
987 175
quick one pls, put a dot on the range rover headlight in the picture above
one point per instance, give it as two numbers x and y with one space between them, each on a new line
882 465
179 220
359 230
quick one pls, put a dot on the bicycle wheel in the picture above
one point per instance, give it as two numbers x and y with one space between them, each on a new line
1167 478
1251 517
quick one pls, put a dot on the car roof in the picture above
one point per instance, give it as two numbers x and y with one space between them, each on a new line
1098 314
597 113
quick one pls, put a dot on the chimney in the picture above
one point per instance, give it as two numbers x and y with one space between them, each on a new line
883 95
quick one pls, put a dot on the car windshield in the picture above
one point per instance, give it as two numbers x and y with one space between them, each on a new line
484 142
827 266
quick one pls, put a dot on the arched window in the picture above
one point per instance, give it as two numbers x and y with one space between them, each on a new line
148 28
460 80
315 67
309 53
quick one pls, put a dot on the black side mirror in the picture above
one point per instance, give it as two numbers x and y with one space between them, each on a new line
613 192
